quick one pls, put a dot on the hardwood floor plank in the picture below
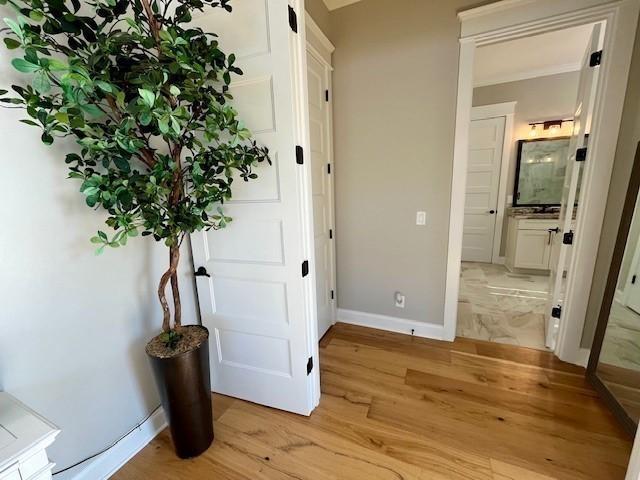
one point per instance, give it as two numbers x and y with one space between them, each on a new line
575 416
424 452
545 454
318 449
504 471
399 407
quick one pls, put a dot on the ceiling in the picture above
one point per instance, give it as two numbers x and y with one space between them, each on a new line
333 4
538 56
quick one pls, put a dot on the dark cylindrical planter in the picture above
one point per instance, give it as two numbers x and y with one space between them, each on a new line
185 391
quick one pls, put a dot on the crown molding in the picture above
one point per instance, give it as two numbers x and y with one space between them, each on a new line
491 8
528 74
335 4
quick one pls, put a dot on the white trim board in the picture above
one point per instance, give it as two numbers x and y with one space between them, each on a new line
318 33
535 73
392 324
108 463
494 110
511 19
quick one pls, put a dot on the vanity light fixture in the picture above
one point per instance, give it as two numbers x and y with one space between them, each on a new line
553 127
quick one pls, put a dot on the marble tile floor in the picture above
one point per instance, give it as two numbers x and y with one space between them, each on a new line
621 344
497 305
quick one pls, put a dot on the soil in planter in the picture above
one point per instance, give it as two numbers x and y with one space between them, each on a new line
192 337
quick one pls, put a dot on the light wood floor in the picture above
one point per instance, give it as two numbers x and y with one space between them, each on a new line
397 407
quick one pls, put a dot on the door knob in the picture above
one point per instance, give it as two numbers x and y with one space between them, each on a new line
202 272
492 212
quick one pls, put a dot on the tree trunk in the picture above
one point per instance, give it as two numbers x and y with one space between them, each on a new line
175 291
174 258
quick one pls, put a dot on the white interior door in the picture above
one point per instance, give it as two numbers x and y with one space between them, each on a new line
483 181
320 143
258 303
581 127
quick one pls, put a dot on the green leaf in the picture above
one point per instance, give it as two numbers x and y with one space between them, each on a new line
175 125
11 43
163 124
148 96
175 91
46 138
91 109
36 15
145 118
62 117
41 82
30 122
122 164
56 65
104 86
17 29
23 66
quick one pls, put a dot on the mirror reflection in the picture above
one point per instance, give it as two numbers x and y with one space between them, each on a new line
540 171
619 361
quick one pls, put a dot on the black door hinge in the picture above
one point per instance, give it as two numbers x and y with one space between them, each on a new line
293 19
328 169
326 95
332 295
567 238
633 279
595 59
309 365
556 312
299 155
330 233
305 268
581 154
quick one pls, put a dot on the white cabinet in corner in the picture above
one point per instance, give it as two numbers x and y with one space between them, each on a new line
24 437
530 243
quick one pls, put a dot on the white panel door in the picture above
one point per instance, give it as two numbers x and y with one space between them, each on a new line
587 88
320 144
257 305
483 179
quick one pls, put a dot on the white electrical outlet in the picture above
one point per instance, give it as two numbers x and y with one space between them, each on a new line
399 297
421 218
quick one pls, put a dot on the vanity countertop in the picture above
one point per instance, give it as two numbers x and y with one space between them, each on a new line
534 212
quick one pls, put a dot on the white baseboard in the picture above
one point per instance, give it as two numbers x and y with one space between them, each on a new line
619 296
392 324
583 356
112 460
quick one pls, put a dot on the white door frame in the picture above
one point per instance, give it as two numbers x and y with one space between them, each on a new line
321 48
513 19
484 112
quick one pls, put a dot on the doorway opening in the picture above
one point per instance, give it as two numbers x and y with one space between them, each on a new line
532 106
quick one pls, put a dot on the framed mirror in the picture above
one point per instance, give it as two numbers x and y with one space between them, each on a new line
540 170
614 364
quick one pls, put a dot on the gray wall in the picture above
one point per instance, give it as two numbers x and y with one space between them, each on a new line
74 325
544 98
320 14
625 152
394 114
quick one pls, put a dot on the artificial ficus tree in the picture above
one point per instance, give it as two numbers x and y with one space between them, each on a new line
146 95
